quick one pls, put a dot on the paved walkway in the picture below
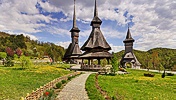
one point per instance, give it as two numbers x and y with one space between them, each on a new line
174 72
75 89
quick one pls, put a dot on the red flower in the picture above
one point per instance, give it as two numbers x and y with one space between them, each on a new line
46 93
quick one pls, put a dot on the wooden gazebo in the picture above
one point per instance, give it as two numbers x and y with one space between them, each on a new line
96 46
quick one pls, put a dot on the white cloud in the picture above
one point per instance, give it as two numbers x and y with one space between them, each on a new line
108 32
56 30
154 20
25 34
48 7
64 44
116 48
21 15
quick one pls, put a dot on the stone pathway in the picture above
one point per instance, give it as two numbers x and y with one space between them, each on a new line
75 89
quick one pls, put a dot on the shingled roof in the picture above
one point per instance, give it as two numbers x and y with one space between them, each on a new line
96 38
130 56
128 37
73 51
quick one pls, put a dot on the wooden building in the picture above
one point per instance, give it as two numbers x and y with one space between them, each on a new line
96 46
129 57
73 51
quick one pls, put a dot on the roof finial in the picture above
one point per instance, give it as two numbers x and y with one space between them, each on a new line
128 33
95 10
128 25
74 16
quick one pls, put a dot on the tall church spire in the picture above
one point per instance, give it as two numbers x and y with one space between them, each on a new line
95 9
96 22
74 28
74 16
128 37
128 34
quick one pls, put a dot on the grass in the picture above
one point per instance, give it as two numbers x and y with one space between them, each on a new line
92 91
135 86
16 83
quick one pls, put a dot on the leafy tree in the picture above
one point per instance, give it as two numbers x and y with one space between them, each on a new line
155 59
9 51
115 63
28 52
25 62
19 52
3 55
9 62
103 62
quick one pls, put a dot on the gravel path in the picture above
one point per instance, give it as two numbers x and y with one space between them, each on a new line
75 89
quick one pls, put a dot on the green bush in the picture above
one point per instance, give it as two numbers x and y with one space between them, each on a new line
63 81
70 77
170 74
58 85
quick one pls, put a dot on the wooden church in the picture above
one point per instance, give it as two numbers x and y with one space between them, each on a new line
129 57
73 51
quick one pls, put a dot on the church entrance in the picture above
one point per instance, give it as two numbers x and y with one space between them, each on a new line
128 65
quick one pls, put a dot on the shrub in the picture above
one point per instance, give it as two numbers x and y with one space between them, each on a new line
70 77
63 81
58 85
170 74
48 95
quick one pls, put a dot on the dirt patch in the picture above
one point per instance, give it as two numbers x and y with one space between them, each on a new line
104 93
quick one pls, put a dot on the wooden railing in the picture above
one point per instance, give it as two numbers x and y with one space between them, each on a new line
91 67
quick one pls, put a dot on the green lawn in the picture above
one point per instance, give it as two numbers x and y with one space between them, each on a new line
16 83
137 86
92 91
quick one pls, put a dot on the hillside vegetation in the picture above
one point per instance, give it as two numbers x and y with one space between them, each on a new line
157 58
21 45
3 34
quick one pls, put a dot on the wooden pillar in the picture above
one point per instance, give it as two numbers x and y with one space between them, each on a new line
88 61
99 62
91 61
82 61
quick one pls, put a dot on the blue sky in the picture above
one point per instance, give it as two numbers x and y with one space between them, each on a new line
152 22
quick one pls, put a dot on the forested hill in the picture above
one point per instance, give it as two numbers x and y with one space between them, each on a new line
3 34
28 47
154 58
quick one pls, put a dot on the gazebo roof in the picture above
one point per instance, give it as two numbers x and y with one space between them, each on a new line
99 54
96 38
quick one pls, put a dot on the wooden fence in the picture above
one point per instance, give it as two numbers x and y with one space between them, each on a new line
35 95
